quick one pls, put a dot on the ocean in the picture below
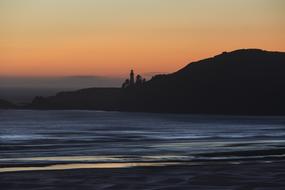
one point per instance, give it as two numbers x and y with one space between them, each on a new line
42 138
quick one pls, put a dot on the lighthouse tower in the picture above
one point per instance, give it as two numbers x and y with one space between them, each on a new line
132 78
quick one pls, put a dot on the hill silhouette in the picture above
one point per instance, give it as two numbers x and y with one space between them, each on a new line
247 81
5 104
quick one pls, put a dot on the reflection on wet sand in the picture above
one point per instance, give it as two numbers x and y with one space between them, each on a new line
86 166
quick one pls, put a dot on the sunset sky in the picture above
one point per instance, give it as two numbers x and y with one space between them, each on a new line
109 37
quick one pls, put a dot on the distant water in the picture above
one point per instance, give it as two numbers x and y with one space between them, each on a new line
61 137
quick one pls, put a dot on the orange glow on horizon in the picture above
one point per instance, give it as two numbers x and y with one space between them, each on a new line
105 37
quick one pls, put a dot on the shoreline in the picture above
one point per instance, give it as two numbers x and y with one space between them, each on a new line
148 112
220 176
57 166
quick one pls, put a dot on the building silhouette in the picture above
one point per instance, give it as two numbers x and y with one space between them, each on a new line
131 82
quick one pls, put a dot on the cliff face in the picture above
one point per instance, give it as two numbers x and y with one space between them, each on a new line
246 81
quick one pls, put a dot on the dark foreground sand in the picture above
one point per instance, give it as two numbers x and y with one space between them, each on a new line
257 176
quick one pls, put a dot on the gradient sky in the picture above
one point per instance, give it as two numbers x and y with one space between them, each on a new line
109 37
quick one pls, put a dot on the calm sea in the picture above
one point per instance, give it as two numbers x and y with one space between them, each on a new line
59 137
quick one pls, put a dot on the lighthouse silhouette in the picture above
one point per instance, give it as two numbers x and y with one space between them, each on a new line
132 78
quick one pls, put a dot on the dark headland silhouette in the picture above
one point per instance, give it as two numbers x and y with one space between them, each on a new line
247 82
5 104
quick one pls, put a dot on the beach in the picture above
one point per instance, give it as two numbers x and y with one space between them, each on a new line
82 150
247 176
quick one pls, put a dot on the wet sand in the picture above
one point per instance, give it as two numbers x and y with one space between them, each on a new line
247 176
